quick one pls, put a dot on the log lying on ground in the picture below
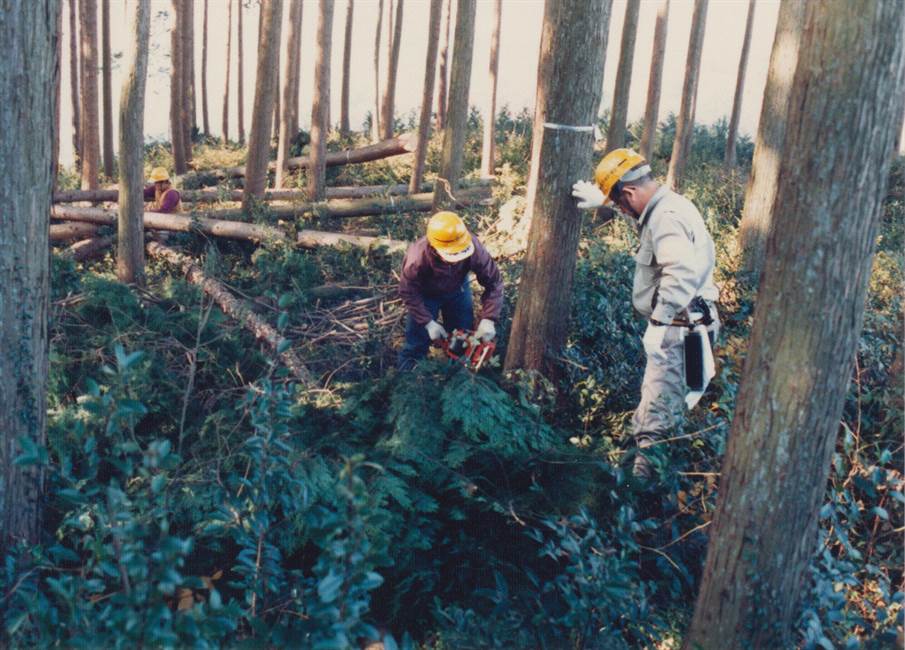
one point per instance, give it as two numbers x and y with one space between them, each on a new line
89 249
233 307
315 238
174 222
63 232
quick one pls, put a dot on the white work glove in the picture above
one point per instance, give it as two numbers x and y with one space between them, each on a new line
486 330
589 195
435 331
653 340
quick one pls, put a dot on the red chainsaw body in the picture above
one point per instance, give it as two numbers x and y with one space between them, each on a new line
464 347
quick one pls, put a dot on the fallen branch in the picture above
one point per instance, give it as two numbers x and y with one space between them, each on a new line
233 307
316 238
63 232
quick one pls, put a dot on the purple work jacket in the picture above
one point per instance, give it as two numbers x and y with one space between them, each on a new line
424 273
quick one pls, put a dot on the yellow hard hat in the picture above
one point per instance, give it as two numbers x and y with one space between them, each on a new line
447 234
159 174
619 165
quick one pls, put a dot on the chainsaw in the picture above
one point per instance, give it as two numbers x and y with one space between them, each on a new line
462 346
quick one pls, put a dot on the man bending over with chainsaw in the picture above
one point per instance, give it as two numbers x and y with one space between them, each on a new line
435 281
673 289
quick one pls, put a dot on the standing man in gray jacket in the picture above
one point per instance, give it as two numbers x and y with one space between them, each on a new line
673 286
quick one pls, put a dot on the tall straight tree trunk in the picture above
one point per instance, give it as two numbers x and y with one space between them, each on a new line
681 148
240 76
488 151
739 89
58 92
205 121
760 194
177 98
130 246
229 39
107 64
89 128
848 87
444 68
74 83
457 113
347 69
275 122
389 95
27 31
615 136
375 119
654 84
317 172
265 90
569 88
427 98
188 76
290 90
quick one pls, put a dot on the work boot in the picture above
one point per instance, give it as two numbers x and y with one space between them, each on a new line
642 467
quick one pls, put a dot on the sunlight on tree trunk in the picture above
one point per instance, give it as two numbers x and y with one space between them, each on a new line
317 172
89 64
344 129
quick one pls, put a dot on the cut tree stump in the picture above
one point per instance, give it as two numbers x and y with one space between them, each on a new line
315 238
234 308
64 232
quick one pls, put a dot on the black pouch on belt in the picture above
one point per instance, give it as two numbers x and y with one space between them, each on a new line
694 361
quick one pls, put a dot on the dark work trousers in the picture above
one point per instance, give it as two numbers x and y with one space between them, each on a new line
457 313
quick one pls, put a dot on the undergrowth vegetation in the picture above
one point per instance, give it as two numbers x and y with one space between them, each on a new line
196 497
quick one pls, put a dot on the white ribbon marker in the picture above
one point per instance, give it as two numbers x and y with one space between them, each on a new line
567 127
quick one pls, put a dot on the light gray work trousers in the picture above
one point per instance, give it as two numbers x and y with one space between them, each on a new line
663 389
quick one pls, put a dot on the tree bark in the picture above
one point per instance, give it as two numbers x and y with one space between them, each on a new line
58 93
347 69
488 151
290 91
681 148
74 77
457 109
389 95
654 84
89 128
277 113
444 69
27 31
240 79
188 76
130 249
569 88
176 87
70 231
229 38
427 98
848 85
205 121
739 88
615 136
265 89
317 170
89 249
107 64
316 239
375 120
760 193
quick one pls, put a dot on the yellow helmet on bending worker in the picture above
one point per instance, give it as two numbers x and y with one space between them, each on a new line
447 234
163 196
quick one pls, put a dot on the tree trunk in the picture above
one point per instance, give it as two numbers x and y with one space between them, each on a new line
389 96
569 88
290 91
444 69
317 170
107 64
316 239
375 119
27 31
760 194
176 88
277 113
347 68
457 114
615 136
89 129
488 151
229 38
74 83
651 111
188 76
681 148
847 88
240 77
57 93
739 89
262 112
205 121
427 98
70 231
130 249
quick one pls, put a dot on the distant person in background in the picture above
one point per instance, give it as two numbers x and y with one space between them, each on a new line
435 280
164 197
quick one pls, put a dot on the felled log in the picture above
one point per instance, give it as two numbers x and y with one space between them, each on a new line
63 232
89 249
315 238
233 307
174 222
